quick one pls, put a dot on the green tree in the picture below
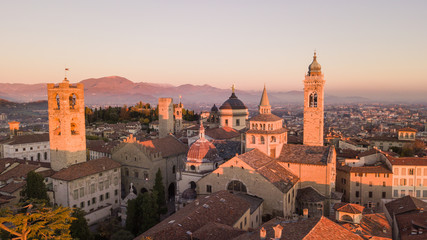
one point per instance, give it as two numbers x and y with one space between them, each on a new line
35 188
122 235
39 223
160 190
134 215
150 211
79 228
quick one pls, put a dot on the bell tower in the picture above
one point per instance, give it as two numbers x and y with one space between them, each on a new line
66 124
313 104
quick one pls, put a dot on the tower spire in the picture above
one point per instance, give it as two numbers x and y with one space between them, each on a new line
264 104
201 130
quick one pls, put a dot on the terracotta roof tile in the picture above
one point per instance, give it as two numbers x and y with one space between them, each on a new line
408 129
217 231
18 172
383 168
266 118
86 169
167 146
405 204
309 194
349 208
222 133
31 138
12 187
317 155
412 222
420 161
221 207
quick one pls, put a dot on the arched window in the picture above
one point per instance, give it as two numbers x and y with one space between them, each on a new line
256 126
262 140
38 156
72 101
412 135
406 135
58 102
253 139
74 130
273 139
401 135
236 186
192 185
313 100
57 130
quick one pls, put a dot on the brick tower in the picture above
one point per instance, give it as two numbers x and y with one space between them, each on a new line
66 124
313 105
166 122
178 116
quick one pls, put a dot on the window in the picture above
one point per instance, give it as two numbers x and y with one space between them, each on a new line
38 156
136 174
273 139
16 150
370 194
262 140
411 193
45 155
245 221
82 204
107 195
237 122
357 193
88 203
402 182
226 122
101 186
101 197
384 184
116 192
313 100
402 193
383 195
23 149
343 180
76 194
82 191
236 186
127 172
424 193
396 193
253 140
208 188
418 193
370 183
357 183
93 200
92 188
386 175
72 101
173 169
411 171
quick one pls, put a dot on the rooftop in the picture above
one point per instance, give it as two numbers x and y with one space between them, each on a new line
84 169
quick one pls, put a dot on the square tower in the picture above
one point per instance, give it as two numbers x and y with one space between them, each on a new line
178 116
67 132
313 105
166 117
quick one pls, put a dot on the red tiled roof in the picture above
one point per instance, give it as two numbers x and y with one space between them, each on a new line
31 138
168 146
222 133
266 118
405 204
420 161
383 168
408 129
220 207
86 169
18 172
304 229
202 150
317 155
217 231
409 222
12 187
349 208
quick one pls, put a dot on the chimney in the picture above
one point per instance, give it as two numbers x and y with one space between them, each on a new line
305 212
262 233
277 232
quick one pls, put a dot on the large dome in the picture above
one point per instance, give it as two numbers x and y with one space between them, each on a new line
202 151
233 103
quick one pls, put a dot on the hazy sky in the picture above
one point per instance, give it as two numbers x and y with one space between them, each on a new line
362 45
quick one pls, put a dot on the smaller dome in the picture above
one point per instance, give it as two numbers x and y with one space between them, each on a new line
314 67
233 103
214 108
189 194
202 151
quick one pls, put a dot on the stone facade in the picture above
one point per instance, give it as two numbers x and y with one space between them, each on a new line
66 124
166 117
141 161
313 105
233 113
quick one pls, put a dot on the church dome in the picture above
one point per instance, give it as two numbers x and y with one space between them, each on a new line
214 108
202 151
233 103
314 67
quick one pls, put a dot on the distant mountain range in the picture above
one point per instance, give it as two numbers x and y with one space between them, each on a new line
116 90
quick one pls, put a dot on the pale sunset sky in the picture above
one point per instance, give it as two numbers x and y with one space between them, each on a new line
364 47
